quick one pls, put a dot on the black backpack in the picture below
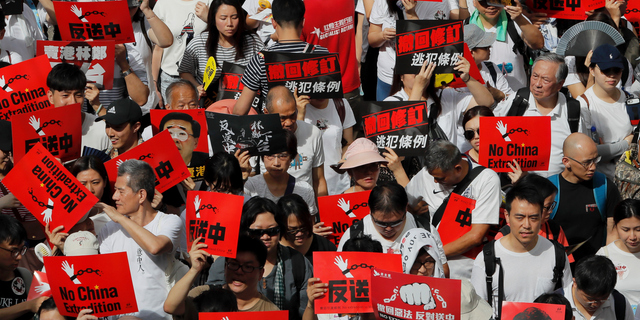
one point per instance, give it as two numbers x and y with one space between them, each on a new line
521 103
490 262
492 71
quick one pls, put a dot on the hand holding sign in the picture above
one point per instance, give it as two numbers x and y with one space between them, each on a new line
198 256
514 11
422 80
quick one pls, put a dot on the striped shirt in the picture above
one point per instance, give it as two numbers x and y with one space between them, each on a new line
195 56
25 215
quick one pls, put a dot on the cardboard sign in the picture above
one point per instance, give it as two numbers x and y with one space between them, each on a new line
398 296
524 310
565 9
633 14
437 41
161 153
231 84
314 74
342 211
259 134
95 58
48 190
23 87
58 129
349 277
39 286
524 139
399 125
271 315
94 282
456 221
453 80
81 21
10 7
216 218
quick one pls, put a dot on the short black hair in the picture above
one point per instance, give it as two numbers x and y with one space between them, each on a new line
223 172
49 305
526 192
256 206
255 246
195 125
11 230
294 205
66 77
556 298
3 24
362 243
532 313
291 142
544 185
387 198
216 299
288 13
596 276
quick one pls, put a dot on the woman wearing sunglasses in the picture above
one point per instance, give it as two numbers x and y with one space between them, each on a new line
286 271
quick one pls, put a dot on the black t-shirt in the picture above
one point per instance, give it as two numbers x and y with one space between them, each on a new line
14 292
579 216
319 243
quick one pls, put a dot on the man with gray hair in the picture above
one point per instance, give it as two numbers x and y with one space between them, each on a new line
448 171
149 237
543 98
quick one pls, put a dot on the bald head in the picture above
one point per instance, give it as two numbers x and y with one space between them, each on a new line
578 144
280 96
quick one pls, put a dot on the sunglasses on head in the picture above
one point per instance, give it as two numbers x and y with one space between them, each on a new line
257 233
470 134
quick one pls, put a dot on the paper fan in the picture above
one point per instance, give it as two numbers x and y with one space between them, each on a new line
88 151
586 36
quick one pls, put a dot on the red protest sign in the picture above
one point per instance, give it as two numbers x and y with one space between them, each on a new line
216 218
524 139
58 129
23 87
161 153
349 276
453 80
343 210
524 310
198 115
39 286
48 190
565 9
81 21
398 296
95 58
93 282
632 14
456 221
271 315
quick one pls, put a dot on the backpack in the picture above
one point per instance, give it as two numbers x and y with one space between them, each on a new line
490 262
521 103
627 175
298 266
619 303
599 193
459 189
492 71
342 113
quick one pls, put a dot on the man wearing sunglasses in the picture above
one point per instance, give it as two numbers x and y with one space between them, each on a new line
585 199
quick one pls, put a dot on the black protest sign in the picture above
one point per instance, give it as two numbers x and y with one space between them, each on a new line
231 84
399 125
314 74
259 134
10 7
437 41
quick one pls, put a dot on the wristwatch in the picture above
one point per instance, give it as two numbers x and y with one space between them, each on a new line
126 73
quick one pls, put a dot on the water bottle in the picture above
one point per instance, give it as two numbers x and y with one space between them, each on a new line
594 135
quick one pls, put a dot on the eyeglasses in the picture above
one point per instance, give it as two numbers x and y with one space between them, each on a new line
295 231
17 251
234 266
391 224
257 233
551 206
282 156
587 163
470 134
427 264
179 134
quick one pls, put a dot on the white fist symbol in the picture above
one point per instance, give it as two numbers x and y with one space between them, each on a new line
197 202
2 84
344 266
345 206
35 124
43 288
417 294
78 12
69 271
503 130
48 212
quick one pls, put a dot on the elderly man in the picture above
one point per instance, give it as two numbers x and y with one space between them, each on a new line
181 95
149 237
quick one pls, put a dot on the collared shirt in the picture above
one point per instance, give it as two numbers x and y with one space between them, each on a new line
559 127
605 312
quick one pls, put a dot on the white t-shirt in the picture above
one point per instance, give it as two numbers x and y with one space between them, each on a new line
265 29
94 133
485 189
573 78
147 271
605 312
527 275
21 34
328 121
256 186
611 121
502 54
180 17
559 128
627 266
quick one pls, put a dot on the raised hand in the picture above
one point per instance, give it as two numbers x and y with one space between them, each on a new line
503 130
2 84
343 265
43 288
48 212
197 202
35 124
78 12
345 206
68 269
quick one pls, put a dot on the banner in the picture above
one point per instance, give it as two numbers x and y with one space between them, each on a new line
81 21
524 310
100 282
314 74
437 41
399 125
342 211
58 129
216 218
39 286
457 220
260 134
349 276
632 14
161 153
95 58
48 190
524 139
398 296
24 87
565 9
271 315
231 84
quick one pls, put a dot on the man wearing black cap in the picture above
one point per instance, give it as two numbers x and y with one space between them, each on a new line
122 126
